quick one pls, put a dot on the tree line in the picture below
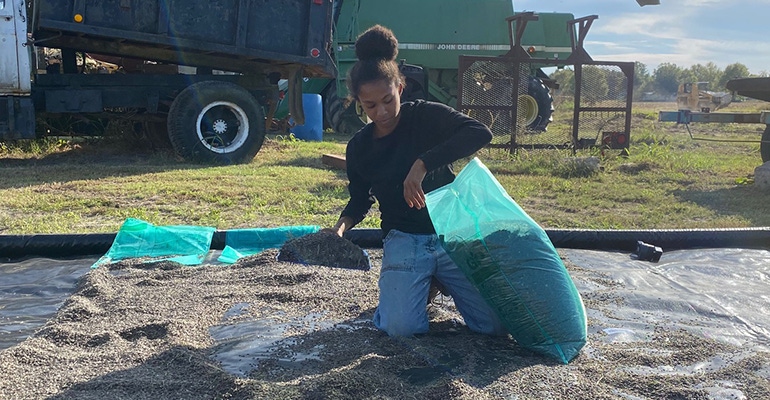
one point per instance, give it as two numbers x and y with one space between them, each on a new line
607 82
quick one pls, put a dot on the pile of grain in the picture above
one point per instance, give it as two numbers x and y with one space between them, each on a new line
139 331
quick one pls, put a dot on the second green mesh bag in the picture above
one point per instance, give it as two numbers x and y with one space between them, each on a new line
512 262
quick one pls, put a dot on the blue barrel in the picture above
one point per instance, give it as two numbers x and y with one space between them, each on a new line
313 128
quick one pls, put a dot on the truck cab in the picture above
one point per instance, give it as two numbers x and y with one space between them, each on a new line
16 111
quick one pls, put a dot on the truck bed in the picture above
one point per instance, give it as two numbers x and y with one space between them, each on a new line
234 35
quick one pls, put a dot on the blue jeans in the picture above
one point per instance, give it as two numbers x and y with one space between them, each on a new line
409 262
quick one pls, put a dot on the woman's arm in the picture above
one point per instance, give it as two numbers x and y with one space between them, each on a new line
360 200
456 135
449 136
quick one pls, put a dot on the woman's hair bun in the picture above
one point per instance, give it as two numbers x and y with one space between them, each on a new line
377 43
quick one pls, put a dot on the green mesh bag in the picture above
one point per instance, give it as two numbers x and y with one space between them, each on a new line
512 262
187 245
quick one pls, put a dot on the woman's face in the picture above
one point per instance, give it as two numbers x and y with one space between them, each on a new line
381 101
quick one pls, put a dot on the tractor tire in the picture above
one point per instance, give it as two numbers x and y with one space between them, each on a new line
764 147
216 122
340 118
544 100
413 91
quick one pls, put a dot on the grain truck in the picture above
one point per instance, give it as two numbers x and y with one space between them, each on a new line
205 73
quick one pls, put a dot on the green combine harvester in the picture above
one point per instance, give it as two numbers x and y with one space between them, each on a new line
432 36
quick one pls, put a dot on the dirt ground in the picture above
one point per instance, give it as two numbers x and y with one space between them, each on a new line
264 328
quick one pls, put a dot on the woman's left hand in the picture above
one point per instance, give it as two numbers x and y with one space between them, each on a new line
413 193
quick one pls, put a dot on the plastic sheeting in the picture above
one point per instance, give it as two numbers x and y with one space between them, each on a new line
190 244
720 294
31 290
185 244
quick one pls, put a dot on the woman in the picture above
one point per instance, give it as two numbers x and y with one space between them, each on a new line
403 153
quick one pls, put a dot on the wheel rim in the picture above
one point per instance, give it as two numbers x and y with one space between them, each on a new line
222 127
527 109
361 113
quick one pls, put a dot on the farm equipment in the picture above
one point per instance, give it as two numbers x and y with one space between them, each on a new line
755 88
430 48
204 73
431 53
697 97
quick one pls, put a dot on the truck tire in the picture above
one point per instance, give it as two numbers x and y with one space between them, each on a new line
216 122
542 96
764 147
340 118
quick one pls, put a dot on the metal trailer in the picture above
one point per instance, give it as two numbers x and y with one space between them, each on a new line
755 88
239 50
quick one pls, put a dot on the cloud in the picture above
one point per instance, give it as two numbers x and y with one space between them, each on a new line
703 3
655 25
685 53
688 32
684 32
620 47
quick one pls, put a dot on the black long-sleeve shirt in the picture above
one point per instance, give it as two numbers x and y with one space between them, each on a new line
377 167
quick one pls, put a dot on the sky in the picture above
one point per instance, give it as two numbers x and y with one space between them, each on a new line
682 32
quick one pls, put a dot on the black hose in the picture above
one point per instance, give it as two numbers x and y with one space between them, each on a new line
625 240
677 239
54 245
71 245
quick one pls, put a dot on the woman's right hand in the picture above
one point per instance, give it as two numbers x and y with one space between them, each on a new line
343 224
413 193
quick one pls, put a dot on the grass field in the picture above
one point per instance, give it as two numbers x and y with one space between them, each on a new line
669 179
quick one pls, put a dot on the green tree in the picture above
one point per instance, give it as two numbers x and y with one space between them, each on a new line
594 86
706 73
565 77
642 76
617 84
641 73
688 76
733 71
666 78
642 80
